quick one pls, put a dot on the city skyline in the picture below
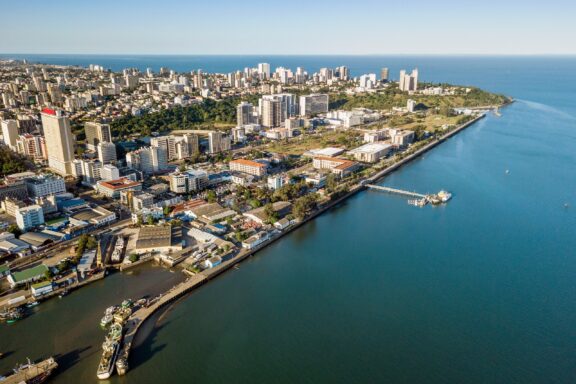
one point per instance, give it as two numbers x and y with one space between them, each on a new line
225 27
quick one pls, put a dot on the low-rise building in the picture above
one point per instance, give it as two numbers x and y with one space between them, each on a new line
112 188
162 239
372 152
28 275
340 167
41 289
29 217
248 166
401 138
255 240
44 185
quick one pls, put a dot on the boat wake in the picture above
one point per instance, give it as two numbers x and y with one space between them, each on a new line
547 108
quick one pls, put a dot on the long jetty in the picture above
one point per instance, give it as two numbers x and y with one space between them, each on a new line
395 191
32 373
136 320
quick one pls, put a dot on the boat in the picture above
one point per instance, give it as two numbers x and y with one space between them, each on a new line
122 315
122 363
444 196
109 354
106 321
32 304
32 373
12 315
126 303
63 293
115 333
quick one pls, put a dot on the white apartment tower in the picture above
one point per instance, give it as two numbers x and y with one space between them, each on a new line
59 141
10 133
97 133
408 82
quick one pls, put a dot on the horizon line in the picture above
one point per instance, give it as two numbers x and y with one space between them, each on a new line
287 54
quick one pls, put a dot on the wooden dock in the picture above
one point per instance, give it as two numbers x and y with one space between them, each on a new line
32 372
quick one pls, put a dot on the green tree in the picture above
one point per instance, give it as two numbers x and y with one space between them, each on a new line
15 230
211 196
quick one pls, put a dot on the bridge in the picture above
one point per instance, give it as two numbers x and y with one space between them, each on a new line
395 191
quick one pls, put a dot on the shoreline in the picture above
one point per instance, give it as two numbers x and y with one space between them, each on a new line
140 316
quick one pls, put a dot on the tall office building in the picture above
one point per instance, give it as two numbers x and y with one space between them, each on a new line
408 82
97 133
384 74
59 141
244 113
10 133
218 142
313 104
106 152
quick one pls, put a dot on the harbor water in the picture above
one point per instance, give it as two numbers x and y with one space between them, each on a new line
480 290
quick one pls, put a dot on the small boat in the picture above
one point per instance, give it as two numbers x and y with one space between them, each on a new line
126 303
32 304
106 321
122 363
444 196
507 171
63 293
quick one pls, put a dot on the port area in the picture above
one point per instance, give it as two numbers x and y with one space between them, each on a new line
31 372
417 199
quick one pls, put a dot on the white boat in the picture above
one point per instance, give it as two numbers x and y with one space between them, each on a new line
110 350
444 196
106 321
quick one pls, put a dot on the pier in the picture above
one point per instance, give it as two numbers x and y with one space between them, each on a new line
32 373
395 191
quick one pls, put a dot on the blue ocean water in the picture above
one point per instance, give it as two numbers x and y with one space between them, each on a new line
481 290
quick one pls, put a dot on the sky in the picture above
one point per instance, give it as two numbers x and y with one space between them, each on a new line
288 27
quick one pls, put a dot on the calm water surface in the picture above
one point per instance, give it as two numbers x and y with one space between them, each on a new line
482 290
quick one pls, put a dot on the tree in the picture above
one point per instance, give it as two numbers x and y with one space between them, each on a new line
304 205
211 196
150 220
271 214
15 230
133 258
48 275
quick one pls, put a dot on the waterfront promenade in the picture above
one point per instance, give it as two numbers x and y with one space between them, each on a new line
136 320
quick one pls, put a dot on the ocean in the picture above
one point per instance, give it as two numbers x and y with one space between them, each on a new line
480 290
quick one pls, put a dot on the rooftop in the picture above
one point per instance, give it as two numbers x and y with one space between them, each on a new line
248 163
29 273
119 183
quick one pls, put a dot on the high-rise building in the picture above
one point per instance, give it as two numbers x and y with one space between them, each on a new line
97 133
168 143
271 113
384 74
10 133
59 141
32 146
244 114
148 160
408 82
106 152
313 104
218 142
264 70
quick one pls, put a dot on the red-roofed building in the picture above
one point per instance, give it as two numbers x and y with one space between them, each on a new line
112 188
248 166
341 167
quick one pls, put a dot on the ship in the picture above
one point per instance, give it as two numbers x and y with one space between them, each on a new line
122 315
32 373
110 349
109 354
12 315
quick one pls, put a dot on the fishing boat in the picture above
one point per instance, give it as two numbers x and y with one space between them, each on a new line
109 354
32 304
122 363
106 321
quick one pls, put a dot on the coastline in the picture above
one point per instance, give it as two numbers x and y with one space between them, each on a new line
140 316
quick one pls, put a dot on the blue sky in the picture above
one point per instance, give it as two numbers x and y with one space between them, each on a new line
288 27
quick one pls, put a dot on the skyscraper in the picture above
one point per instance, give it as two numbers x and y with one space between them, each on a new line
313 104
59 141
168 143
271 113
97 133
